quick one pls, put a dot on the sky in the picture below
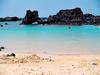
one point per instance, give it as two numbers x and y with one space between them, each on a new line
46 7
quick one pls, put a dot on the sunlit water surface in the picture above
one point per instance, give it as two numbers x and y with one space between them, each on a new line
50 38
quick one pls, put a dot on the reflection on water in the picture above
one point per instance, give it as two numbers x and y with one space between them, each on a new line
51 39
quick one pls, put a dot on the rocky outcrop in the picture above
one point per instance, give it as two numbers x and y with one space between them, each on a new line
88 18
73 17
31 17
10 19
63 17
1 48
66 16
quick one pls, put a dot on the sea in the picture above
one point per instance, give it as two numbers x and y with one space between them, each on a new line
53 39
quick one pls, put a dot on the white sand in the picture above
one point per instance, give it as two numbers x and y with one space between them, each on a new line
30 64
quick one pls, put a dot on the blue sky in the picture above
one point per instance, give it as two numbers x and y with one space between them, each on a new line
46 7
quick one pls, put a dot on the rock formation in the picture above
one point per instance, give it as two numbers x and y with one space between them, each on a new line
63 17
73 17
10 19
66 16
31 17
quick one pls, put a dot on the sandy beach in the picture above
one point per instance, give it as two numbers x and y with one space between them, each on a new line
45 64
49 37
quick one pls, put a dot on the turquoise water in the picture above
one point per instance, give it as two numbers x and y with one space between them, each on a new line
50 39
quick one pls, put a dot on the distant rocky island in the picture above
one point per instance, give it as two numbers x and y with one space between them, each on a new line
10 19
63 17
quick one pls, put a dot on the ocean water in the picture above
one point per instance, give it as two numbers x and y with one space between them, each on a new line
53 39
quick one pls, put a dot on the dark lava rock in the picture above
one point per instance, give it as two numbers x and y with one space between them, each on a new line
73 17
6 23
1 25
2 47
7 55
88 15
31 17
1 19
63 17
10 19
66 16
13 54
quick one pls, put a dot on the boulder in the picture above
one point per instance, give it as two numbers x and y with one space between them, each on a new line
1 25
2 48
6 23
13 54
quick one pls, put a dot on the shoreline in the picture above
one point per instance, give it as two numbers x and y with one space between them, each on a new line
51 54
